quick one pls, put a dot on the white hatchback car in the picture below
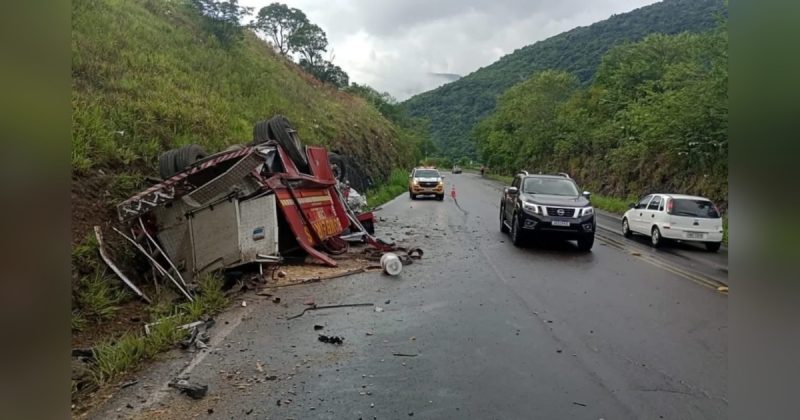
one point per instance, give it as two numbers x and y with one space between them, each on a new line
674 216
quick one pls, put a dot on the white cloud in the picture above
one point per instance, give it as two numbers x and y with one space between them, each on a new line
396 45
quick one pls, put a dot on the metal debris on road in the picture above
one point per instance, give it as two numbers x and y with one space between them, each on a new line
194 391
318 327
316 307
129 383
404 354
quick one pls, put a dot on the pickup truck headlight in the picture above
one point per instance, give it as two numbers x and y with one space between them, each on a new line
587 211
531 208
415 182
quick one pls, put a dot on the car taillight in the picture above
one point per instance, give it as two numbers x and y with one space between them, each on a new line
670 203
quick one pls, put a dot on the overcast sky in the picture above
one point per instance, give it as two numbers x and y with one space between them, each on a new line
406 47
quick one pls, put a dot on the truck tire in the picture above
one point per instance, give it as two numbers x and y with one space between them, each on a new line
261 132
338 166
285 135
187 155
166 164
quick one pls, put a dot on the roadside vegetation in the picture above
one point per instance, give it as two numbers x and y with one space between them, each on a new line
456 107
655 118
394 186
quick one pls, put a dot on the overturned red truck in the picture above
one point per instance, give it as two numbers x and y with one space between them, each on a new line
248 204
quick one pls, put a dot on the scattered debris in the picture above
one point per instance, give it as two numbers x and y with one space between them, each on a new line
318 327
332 339
309 302
378 309
391 264
388 301
129 383
198 336
259 367
321 278
315 307
723 289
636 254
99 235
404 354
194 391
580 404
281 273
244 303
276 300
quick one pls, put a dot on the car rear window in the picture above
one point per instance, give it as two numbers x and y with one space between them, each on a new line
426 173
694 208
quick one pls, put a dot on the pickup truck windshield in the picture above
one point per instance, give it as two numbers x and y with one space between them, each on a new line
426 173
549 186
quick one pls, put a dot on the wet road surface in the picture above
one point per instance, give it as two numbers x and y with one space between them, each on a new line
487 330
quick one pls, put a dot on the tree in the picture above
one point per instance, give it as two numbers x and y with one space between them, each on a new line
280 23
310 42
222 18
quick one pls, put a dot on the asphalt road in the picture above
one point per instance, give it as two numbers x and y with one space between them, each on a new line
494 332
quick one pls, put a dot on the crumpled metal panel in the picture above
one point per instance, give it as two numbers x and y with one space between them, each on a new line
231 180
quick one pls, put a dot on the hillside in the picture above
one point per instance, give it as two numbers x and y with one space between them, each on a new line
148 76
456 107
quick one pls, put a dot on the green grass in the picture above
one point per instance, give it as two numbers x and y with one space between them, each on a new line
115 357
147 76
505 179
99 296
394 186
612 204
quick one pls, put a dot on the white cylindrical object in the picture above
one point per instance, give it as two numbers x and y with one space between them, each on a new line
391 264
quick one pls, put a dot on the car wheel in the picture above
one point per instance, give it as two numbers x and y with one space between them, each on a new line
503 227
516 234
585 244
655 237
626 229
713 246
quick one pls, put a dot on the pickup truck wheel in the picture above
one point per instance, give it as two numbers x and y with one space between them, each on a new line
626 229
585 244
713 246
413 196
516 234
440 197
503 227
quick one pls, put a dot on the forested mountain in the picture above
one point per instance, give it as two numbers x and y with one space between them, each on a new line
454 108
654 119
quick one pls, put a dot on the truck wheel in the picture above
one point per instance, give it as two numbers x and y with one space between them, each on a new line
585 244
187 155
516 231
286 136
338 166
503 227
713 246
166 164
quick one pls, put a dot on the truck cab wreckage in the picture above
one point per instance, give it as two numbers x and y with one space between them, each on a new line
249 204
